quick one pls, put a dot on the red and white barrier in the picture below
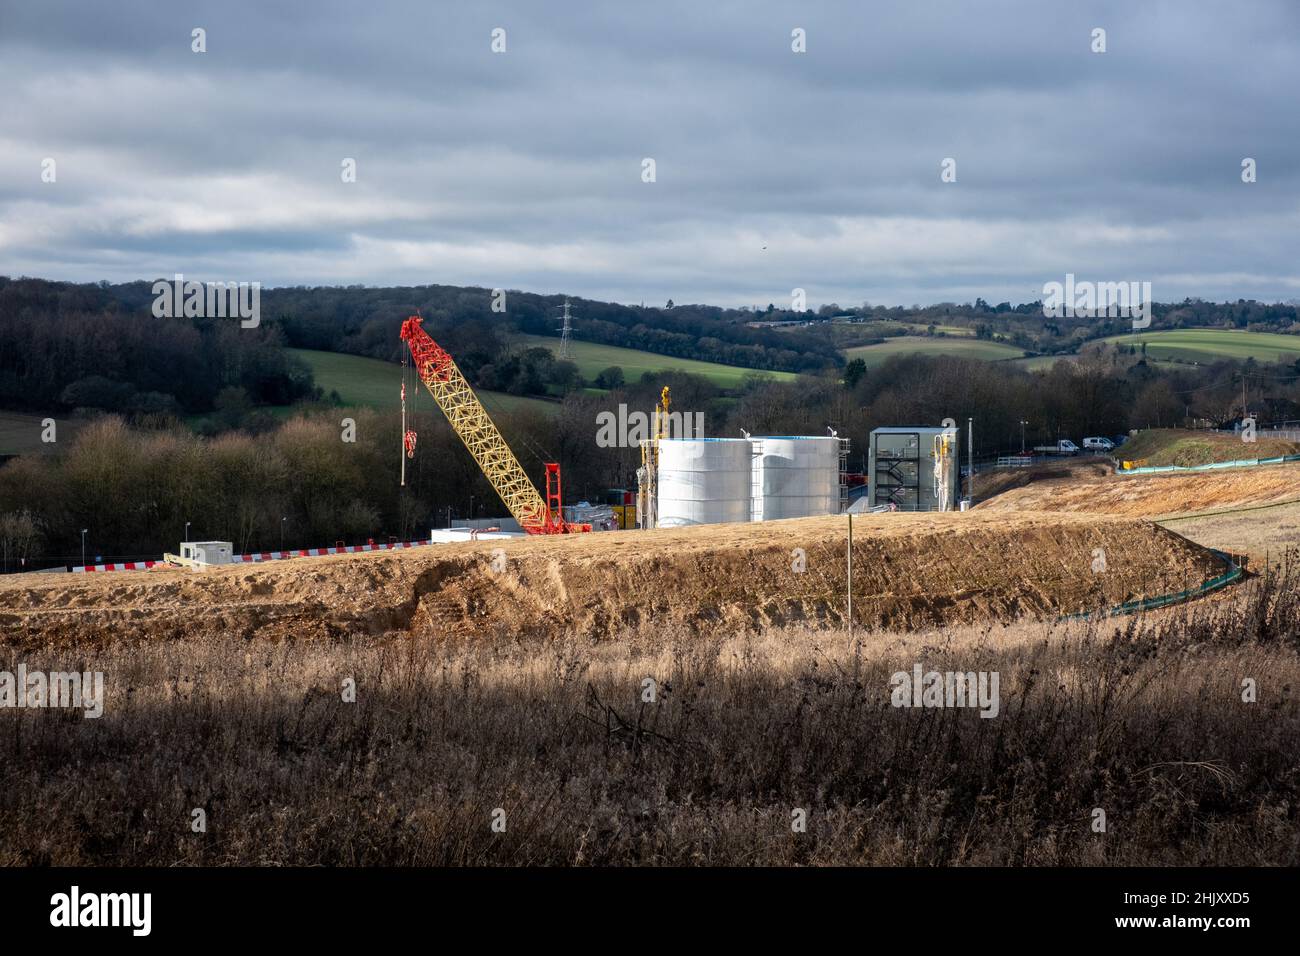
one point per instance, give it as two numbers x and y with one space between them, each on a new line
261 556
123 566
320 552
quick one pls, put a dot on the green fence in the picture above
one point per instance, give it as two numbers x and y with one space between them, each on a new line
1242 463
1164 600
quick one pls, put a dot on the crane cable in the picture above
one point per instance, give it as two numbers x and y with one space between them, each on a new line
410 376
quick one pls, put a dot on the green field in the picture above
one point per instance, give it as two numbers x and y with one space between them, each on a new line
374 384
592 359
974 348
1206 345
1176 446
1040 363
20 433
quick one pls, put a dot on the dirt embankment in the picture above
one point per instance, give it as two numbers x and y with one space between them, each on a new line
1092 487
909 571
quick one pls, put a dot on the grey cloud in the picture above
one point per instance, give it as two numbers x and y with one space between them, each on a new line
523 170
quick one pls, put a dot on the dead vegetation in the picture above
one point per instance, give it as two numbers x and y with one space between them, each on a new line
1141 717
519 697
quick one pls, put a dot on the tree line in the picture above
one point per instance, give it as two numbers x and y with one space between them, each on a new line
68 346
302 484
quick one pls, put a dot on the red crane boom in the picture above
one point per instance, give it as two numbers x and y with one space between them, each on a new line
471 422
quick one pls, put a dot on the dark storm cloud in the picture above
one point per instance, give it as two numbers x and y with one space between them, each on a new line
523 169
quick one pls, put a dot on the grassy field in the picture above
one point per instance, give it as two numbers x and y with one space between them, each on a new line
374 384
1040 363
20 433
959 346
1206 345
1265 533
592 359
1174 446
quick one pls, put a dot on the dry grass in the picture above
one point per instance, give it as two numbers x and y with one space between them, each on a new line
1264 533
1142 718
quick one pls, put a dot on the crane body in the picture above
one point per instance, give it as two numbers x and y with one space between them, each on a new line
471 422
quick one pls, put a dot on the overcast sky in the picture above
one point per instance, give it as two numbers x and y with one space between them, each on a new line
775 169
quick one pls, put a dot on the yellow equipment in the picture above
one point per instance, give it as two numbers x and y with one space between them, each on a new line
647 492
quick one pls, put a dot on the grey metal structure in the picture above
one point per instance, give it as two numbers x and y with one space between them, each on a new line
901 467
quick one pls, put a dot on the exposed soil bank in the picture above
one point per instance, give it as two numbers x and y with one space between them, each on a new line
910 571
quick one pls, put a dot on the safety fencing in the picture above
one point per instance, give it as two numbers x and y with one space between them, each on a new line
1135 468
1233 573
256 557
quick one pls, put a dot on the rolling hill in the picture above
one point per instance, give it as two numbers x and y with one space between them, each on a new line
959 346
593 358
374 384
1202 345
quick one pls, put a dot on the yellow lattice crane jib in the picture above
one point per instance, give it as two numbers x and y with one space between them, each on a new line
471 422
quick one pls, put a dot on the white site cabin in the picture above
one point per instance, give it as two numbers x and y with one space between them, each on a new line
196 554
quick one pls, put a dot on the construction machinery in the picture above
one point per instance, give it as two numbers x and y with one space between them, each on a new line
944 453
647 504
471 422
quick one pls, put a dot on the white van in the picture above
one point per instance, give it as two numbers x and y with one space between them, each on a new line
1098 445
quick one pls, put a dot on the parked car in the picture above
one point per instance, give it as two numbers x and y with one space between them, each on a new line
1062 447
1098 444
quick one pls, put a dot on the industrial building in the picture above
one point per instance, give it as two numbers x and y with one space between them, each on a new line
913 468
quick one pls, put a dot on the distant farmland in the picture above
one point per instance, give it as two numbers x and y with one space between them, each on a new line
592 359
371 383
1206 345
959 346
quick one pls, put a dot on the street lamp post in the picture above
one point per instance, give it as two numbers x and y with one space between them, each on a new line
970 460
187 531
283 519
83 546
1023 423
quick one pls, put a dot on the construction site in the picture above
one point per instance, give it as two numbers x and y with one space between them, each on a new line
662 678
725 534
666 696
442 441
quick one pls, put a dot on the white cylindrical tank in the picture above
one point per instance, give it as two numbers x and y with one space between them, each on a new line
703 481
796 476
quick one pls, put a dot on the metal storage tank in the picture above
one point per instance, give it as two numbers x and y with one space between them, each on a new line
703 481
795 476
